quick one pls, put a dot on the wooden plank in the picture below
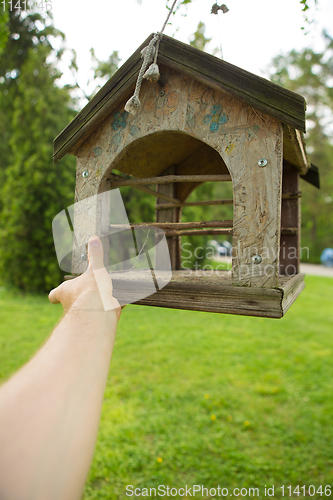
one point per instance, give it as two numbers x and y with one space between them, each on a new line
174 225
167 179
291 291
312 176
195 204
294 149
103 218
169 215
290 217
212 291
257 207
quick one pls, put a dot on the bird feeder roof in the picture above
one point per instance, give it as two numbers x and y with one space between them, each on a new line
284 105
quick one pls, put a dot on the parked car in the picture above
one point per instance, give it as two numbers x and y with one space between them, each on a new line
327 257
222 249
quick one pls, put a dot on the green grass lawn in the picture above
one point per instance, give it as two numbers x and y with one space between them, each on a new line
204 399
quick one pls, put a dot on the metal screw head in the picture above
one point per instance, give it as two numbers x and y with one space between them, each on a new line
256 259
84 256
85 174
262 162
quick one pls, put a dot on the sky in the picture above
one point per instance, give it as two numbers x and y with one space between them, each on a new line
251 33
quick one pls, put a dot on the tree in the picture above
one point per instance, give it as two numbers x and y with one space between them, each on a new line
310 74
306 6
199 40
33 109
4 32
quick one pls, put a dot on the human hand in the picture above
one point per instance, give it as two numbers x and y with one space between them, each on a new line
92 290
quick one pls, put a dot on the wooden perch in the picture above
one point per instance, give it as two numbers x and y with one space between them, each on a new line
162 206
291 196
175 225
291 231
144 189
201 232
166 179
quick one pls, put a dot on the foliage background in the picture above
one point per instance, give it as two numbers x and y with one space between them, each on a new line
34 109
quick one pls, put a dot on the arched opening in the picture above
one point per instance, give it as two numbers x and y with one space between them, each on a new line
202 199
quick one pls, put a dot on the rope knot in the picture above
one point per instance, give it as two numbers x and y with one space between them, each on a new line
153 73
149 55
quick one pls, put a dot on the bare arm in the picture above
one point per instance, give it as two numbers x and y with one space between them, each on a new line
50 409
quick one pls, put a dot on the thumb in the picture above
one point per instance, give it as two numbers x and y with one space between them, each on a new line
95 253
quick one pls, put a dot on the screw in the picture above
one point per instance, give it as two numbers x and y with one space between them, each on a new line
83 256
256 259
263 162
85 174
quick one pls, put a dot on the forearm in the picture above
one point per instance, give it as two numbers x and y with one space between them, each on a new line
51 409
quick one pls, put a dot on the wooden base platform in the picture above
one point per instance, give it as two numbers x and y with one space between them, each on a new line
209 291
213 292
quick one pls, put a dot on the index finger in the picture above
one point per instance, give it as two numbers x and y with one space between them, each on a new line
95 253
53 296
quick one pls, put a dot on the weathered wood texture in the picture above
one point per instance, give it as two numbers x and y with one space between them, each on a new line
200 132
212 291
257 202
290 217
261 94
294 149
169 215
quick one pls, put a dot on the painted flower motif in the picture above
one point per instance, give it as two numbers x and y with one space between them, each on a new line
216 118
163 102
119 120
96 152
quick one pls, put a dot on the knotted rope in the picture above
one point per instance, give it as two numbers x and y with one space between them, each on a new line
149 55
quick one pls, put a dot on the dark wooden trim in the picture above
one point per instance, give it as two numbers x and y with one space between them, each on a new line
312 176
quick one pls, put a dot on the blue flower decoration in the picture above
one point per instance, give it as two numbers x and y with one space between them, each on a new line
216 118
119 120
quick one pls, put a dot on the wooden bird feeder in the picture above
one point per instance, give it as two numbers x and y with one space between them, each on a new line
204 120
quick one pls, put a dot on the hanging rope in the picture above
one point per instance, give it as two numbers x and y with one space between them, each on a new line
149 55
